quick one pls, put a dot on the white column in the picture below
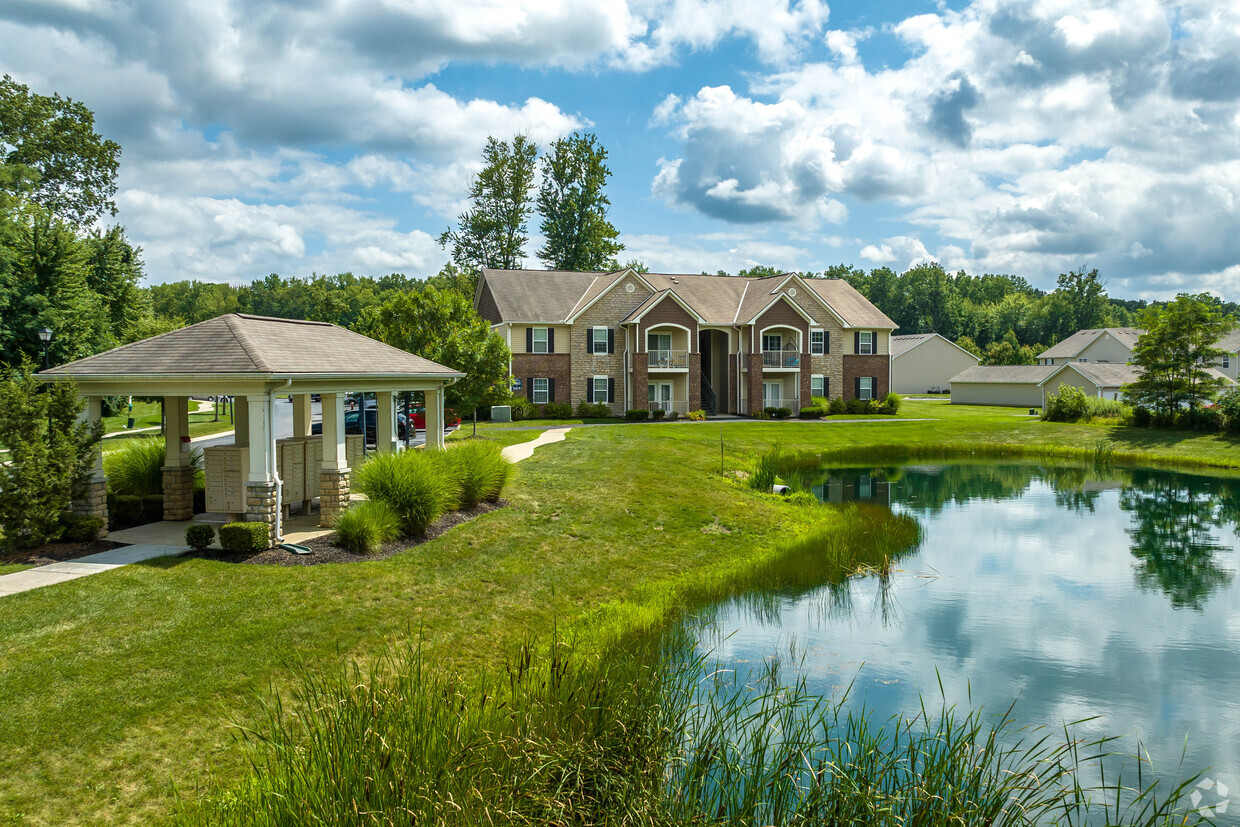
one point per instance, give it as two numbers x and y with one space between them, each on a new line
261 462
334 457
434 418
301 414
91 413
385 422
241 421
176 431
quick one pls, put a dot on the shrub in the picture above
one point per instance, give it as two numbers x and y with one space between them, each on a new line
593 410
245 538
152 508
480 471
836 407
819 402
672 416
1141 417
125 510
1068 405
1098 408
697 416
1200 419
418 486
783 413
557 410
857 407
891 404
813 413
199 536
80 528
364 527
658 413
636 414
1228 406
764 472
136 467
522 408
874 406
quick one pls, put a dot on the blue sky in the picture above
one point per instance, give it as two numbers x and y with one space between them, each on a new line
1015 136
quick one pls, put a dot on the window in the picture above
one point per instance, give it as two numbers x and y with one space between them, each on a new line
818 342
865 342
772 341
598 340
539 341
865 387
1226 360
659 341
818 386
540 391
598 390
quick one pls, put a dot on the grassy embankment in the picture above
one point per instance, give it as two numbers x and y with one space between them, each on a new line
146 416
126 679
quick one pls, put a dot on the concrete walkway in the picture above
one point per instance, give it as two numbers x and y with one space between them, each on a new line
24 581
525 450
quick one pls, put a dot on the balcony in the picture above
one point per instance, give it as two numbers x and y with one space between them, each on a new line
792 403
678 406
668 359
781 359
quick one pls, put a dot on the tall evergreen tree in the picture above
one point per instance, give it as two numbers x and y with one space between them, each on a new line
493 232
573 207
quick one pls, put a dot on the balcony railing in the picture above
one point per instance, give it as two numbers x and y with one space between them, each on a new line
781 359
668 359
679 406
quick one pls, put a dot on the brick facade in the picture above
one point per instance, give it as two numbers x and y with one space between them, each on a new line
641 378
754 405
333 495
557 366
695 381
878 366
607 311
666 312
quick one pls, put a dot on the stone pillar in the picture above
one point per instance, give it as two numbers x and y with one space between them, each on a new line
385 422
178 476
755 383
92 497
641 381
434 418
260 506
334 472
695 381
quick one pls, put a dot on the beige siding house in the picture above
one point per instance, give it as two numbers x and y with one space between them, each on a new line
926 363
1017 386
1227 365
1107 344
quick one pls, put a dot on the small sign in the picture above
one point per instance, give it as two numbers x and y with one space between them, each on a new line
516 385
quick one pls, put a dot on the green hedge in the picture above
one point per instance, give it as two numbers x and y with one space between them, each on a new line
80 528
245 538
199 536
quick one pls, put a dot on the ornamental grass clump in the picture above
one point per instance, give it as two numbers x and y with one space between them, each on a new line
417 485
366 526
137 467
480 469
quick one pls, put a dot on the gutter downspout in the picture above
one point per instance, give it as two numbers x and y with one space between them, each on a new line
275 463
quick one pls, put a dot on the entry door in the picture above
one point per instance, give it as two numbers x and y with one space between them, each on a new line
772 394
660 395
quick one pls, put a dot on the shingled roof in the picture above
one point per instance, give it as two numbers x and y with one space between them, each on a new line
1078 341
240 344
553 296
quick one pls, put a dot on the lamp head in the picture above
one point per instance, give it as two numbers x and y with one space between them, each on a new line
45 335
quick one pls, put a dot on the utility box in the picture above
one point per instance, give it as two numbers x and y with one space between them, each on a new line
501 413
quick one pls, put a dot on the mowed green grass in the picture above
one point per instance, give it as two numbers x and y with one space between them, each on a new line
10 568
147 415
118 688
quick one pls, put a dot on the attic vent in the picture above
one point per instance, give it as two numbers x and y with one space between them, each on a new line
628 288
792 291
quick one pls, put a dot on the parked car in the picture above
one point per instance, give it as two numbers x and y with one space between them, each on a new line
450 418
353 424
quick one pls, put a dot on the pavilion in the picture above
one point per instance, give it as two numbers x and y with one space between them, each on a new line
255 359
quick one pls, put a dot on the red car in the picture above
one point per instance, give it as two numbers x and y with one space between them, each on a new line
450 418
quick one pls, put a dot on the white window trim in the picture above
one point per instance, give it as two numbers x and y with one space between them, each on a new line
867 388
822 345
594 390
821 379
862 343
1226 360
545 341
594 342
546 390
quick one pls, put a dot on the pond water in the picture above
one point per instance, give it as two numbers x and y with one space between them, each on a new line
1074 592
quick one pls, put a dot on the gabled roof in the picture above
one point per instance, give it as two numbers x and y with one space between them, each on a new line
556 296
239 344
655 298
903 344
1006 374
1082 339
1230 342
1102 374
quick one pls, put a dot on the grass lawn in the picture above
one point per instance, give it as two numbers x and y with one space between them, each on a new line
9 568
504 437
120 686
146 415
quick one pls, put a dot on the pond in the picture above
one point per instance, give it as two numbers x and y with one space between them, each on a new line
1073 592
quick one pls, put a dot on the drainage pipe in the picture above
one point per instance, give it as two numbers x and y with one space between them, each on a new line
275 464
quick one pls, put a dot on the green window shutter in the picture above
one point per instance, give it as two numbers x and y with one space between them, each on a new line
856 341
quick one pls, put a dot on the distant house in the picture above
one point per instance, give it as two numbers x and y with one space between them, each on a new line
1017 386
1230 345
1104 380
1104 344
926 362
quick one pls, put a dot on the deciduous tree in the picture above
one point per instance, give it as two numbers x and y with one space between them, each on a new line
1174 354
492 232
573 207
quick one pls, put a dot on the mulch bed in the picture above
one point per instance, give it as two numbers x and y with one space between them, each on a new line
323 551
56 553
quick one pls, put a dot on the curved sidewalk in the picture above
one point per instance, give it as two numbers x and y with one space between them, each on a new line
525 450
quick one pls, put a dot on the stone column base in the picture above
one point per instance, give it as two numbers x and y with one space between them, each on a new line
333 495
93 502
260 507
178 492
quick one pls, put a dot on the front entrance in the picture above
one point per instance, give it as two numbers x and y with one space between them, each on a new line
772 394
660 396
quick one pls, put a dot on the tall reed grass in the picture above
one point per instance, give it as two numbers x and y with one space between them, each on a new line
364 527
136 468
415 484
480 469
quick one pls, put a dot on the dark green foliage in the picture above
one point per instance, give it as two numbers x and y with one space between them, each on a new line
658 413
836 407
783 413
1068 405
1228 405
80 528
522 408
244 538
858 407
592 410
1173 356
813 413
365 527
492 232
419 486
573 207
199 536
891 404
74 169
50 455
137 466
557 410
480 471
152 508
124 510
770 411
636 414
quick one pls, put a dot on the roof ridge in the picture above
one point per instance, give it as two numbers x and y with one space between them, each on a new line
129 345
280 319
230 321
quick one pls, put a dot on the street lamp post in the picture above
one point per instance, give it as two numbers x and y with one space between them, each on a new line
45 336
